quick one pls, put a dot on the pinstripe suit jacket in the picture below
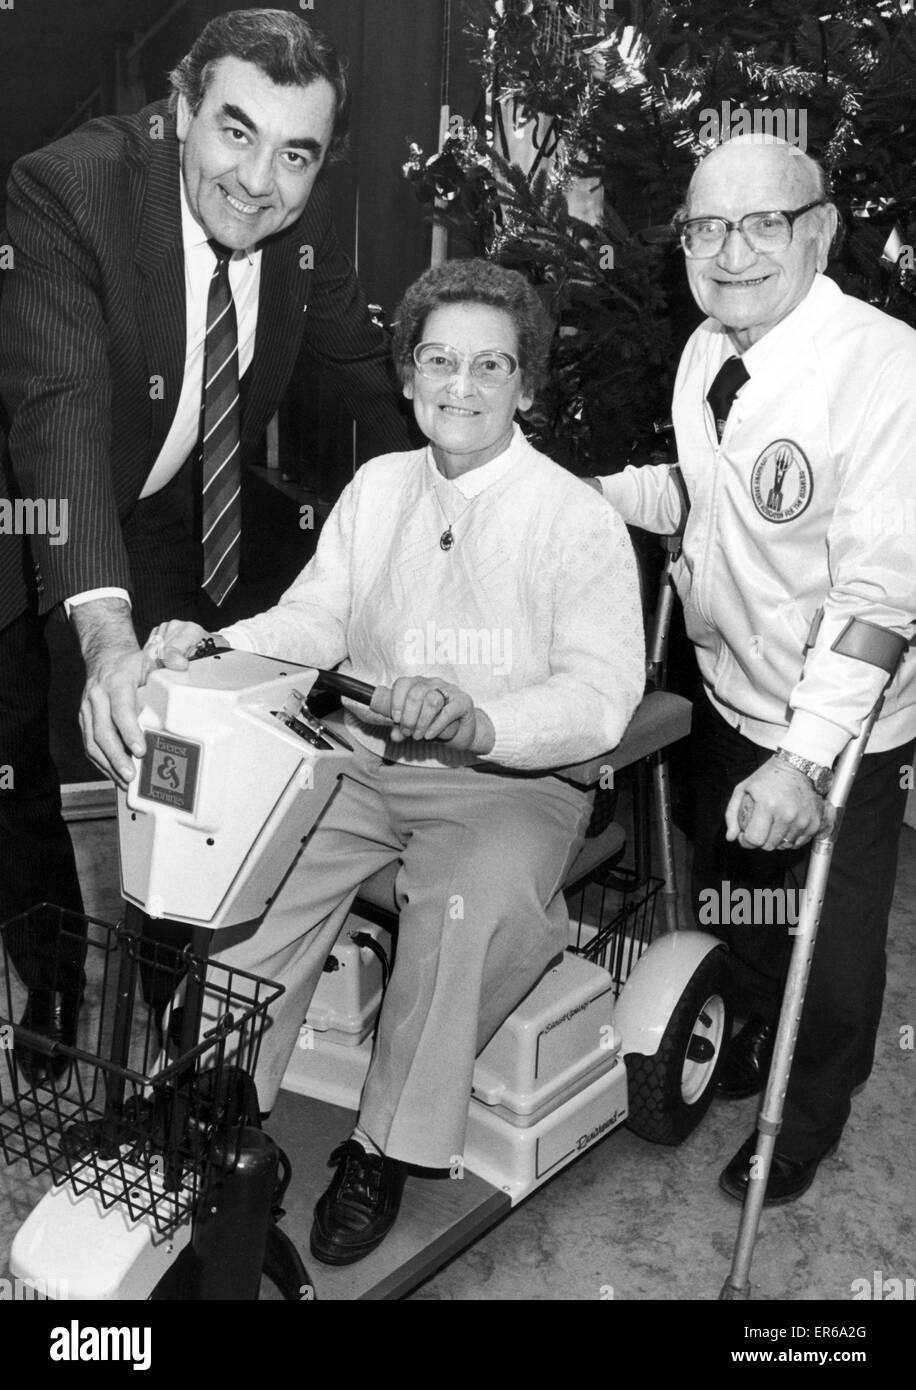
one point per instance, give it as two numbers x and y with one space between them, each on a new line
93 309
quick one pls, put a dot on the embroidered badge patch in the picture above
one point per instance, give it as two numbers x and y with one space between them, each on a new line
781 481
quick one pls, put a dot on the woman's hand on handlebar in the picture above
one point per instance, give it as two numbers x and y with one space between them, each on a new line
434 711
170 644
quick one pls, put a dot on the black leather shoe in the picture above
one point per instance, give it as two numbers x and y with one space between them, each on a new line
788 1179
747 1060
54 1015
359 1207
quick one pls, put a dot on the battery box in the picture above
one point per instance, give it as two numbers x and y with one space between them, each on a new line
346 1001
517 1160
556 1042
560 1035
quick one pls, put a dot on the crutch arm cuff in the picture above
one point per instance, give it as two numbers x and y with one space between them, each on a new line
864 641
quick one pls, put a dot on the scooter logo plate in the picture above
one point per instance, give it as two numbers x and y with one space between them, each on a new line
168 772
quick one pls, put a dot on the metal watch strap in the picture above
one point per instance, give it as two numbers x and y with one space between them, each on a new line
819 776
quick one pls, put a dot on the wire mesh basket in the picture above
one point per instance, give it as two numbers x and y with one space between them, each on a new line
145 1109
612 922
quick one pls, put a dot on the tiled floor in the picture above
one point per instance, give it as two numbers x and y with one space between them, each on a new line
634 1221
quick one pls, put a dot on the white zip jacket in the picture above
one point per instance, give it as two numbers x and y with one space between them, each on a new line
808 503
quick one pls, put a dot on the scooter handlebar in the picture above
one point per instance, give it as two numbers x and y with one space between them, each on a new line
354 689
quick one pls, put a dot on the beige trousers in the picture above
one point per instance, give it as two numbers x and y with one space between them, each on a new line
482 857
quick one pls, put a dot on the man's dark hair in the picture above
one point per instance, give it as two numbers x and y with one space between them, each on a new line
283 46
475 282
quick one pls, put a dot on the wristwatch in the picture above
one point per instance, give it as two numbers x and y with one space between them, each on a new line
821 778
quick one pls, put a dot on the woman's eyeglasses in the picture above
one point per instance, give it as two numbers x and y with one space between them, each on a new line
439 362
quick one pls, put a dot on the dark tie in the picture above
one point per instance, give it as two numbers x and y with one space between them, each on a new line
730 377
221 474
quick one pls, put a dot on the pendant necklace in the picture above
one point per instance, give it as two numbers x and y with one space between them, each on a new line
447 539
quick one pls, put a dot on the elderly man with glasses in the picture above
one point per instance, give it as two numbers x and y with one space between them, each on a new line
795 418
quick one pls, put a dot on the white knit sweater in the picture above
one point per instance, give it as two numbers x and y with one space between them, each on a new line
534 612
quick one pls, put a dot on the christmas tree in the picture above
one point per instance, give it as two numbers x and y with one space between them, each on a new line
618 101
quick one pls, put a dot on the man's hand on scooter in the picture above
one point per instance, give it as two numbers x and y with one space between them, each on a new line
108 712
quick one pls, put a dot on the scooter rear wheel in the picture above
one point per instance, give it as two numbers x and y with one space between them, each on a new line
670 1092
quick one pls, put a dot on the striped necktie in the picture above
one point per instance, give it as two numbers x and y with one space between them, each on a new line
730 377
221 475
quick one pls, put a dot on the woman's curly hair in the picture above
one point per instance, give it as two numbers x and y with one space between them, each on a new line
475 282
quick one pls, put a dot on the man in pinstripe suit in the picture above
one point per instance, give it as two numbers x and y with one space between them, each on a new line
102 321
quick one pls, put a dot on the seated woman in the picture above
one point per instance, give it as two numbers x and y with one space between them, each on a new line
493 601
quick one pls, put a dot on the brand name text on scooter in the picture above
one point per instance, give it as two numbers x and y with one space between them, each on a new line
76 1343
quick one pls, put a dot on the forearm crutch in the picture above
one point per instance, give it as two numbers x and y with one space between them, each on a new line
656 672
656 661
864 642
